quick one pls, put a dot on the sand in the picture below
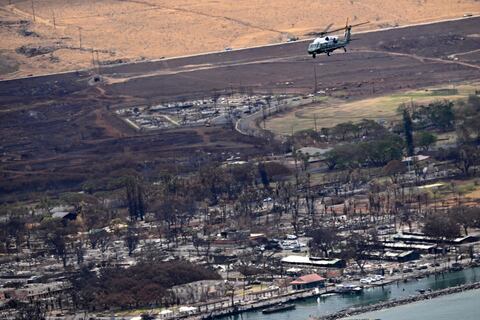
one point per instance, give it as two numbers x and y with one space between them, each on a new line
149 29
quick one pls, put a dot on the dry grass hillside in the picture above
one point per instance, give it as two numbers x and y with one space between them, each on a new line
138 29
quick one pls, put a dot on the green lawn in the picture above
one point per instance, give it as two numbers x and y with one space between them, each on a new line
332 111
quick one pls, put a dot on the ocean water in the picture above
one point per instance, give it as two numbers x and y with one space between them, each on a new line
459 306
334 303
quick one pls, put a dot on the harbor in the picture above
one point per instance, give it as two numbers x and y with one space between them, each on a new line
462 305
400 302
329 303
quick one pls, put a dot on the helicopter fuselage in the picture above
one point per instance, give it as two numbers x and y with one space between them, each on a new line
326 45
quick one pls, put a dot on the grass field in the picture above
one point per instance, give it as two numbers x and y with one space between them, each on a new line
331 111
135 29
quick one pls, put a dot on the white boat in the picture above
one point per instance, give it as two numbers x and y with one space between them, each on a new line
348 289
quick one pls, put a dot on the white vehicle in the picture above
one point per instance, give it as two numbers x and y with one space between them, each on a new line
366 280
378 277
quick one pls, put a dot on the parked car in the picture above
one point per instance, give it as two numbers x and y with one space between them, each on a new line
366 280
378 277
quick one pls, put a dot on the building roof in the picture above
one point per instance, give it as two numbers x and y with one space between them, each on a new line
413 237
61 209
409 246
396 254
60 214
307 261
309 278
415 158
463 239
312 151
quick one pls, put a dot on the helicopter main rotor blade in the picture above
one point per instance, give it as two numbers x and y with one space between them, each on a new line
358 24
327 28
332 31
325 32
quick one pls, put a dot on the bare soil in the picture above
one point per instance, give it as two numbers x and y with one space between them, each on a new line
59 132
145 29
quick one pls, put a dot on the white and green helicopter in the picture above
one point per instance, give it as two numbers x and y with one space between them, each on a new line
327 44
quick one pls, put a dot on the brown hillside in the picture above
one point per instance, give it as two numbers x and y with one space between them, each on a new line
137 29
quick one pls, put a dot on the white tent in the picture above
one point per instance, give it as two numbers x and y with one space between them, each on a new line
164 314
187 309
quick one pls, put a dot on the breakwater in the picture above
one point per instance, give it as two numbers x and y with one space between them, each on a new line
398 302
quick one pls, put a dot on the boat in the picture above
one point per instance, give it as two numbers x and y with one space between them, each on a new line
348 289
456 267
278 308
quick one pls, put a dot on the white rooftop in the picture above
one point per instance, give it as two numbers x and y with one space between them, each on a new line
307 260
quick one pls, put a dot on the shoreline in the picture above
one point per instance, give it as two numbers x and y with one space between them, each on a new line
398 302
293 297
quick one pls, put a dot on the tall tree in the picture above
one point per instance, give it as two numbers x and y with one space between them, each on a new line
465 157
441 226
131 239
467 217
408 131
56 239
135 198
425 140
356 247
263 175
323 240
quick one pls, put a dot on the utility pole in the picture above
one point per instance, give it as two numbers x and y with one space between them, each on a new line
53 17
80 36
315 75
315 121
264 116
33 11
98 62
93 59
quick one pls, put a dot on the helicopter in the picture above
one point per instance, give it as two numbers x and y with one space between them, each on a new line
328 44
